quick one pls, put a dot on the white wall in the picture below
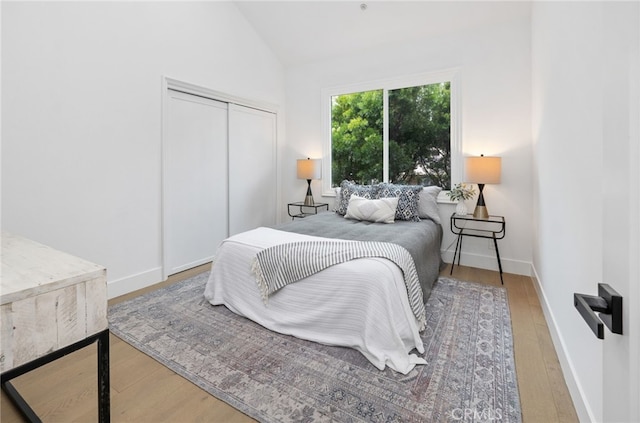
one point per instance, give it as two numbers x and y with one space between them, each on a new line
585 125
495 73
81 117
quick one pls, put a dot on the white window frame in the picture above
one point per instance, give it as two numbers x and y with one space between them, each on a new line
450 75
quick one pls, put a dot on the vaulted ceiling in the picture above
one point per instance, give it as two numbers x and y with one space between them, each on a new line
301 32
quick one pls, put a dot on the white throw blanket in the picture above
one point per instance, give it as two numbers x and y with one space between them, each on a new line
371 313
280 265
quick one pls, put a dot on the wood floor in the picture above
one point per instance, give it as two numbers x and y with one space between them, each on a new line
142 390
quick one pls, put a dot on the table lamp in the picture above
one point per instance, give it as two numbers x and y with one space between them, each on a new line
482 170
309 169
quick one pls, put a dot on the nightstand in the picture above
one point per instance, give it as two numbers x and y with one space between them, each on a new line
303 210
52 304
492 227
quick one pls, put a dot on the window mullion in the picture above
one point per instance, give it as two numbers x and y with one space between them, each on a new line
385 135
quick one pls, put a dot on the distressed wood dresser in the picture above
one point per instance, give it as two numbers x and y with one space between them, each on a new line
52 304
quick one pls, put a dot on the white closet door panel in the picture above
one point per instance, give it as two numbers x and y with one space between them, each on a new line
195 180
252 169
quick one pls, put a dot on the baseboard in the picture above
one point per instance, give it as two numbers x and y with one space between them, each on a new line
132 283
583 410
489 262
188 266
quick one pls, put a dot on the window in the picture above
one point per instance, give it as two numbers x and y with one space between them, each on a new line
356 137
402 131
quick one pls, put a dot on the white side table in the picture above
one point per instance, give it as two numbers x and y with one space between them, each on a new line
51 304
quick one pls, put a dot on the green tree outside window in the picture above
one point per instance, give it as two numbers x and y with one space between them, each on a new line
419 136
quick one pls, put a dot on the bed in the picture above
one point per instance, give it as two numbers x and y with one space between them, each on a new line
362 303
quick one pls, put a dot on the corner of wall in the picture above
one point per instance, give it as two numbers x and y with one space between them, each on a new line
568 370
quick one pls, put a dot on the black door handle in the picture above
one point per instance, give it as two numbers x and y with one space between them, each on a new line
608 304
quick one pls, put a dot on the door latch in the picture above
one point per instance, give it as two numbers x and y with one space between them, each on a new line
608 304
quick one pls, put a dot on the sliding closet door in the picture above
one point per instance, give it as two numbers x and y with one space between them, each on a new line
195 216
252 169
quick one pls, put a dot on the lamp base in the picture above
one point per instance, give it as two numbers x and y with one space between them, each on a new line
480 212
308 199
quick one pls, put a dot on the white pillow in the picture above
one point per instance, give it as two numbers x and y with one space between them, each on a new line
428 204
382 210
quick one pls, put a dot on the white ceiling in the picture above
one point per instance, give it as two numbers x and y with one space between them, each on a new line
300 32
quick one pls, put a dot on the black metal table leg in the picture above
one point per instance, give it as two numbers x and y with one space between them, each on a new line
103 376
17 400
458 246
104 384
495 243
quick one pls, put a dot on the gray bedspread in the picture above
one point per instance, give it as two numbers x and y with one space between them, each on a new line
422 239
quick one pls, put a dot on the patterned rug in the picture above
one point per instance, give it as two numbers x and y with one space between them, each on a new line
278 378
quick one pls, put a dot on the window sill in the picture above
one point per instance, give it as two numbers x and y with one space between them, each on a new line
443 198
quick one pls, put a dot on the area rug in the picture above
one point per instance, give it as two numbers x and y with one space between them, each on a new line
278 378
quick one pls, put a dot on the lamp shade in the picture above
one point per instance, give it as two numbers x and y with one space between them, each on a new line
309 169
483 170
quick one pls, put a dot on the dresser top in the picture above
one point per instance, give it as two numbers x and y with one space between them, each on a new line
28 268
